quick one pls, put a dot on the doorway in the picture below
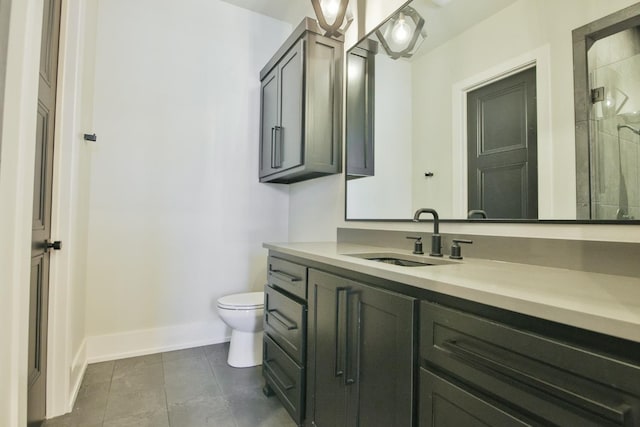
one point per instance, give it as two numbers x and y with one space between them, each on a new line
502 148
41 244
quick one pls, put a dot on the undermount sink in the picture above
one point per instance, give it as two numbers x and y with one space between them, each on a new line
402 259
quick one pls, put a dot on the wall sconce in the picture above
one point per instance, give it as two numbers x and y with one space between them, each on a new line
331 15
402 35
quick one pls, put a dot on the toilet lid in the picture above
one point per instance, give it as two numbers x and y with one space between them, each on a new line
244 301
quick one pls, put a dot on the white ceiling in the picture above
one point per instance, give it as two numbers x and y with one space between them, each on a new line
444 18
291 11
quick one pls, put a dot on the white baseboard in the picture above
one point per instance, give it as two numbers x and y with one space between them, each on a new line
78 368
101 348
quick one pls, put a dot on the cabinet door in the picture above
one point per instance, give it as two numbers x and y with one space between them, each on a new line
289 135
268 122
443 403
326 394
360 354
360 113
380 357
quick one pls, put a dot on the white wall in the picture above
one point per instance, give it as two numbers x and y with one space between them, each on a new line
177 215
307 218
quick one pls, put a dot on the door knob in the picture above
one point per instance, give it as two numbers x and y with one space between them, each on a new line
57 245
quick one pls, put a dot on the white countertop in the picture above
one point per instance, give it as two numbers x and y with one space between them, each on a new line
598 302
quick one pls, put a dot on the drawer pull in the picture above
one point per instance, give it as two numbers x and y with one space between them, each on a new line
284 276
463 351
282 319
276 377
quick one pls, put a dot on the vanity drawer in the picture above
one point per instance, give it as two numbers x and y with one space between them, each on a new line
288 276
285 377
285 321
547 379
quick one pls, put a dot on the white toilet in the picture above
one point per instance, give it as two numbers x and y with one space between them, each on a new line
244 315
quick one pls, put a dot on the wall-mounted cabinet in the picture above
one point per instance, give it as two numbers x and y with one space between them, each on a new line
300 108
360 106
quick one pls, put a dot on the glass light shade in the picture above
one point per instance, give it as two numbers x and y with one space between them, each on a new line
330 9
331 15
401 31
403 34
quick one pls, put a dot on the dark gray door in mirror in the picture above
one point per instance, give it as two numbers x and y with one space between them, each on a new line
419 118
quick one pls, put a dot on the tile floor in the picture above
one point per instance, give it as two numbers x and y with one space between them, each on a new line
185 388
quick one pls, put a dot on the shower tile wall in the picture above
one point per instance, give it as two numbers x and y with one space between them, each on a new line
614 63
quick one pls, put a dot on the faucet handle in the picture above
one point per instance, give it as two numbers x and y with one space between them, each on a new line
456 251
417 246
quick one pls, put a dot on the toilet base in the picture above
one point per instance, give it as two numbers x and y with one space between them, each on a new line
245 349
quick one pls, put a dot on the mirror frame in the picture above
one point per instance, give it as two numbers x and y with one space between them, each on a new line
582 38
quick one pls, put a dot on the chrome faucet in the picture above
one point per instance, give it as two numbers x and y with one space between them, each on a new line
436 240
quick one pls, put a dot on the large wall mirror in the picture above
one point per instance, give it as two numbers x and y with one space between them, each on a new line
468 107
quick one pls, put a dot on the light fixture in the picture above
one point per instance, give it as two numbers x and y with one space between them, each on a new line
331 15
402 35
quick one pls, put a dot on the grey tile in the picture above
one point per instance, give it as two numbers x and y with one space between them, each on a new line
178 389
127 404
189 369
92 396
98 373
183 354
202 412
91 403
146 419
217 353
183 391
252 408
126 366
75 420
233 380
144 377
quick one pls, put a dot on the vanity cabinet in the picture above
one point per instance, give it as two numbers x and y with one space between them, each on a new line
300 108
285 331
360 354
475 371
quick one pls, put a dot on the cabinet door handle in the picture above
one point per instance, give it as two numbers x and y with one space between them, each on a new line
282 319
350 379
464 351
278 147
285 386
284 276
339 371
273 153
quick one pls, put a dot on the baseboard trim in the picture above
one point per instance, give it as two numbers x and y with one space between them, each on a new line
78 368
101 348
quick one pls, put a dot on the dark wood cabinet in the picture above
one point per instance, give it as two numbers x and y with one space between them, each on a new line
528 378
360 106
285 333
360 354
345 349
444 403
300 119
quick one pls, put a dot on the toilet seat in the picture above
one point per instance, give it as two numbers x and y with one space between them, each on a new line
244 301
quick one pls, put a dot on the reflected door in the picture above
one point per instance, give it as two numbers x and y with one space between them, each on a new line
502 148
